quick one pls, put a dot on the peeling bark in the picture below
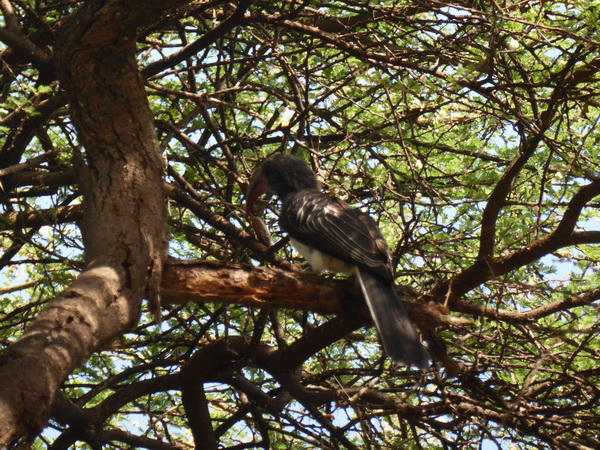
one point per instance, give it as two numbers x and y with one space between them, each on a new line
264 287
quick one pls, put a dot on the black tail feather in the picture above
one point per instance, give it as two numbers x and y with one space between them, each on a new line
400 339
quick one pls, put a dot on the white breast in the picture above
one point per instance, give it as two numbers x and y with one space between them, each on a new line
320 262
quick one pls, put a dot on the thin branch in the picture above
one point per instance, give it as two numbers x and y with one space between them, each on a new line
33 162
207 39
261 251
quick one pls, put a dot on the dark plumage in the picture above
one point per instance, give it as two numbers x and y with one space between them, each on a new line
333 236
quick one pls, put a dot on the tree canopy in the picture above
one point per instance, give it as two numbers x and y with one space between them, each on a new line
140 308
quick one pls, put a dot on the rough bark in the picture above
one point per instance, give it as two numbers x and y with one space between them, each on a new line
124 217
264 287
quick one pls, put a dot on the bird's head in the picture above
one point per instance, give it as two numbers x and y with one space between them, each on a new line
280 174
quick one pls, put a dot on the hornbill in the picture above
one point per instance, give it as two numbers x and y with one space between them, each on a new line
331 235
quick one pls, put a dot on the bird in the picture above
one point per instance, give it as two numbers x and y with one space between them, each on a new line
332 236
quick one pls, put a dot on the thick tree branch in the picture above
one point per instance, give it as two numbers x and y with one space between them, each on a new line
498 197
193 377
85 316
43 179
38 218
484 270
209 282
226 352
122 186
13 36
263 287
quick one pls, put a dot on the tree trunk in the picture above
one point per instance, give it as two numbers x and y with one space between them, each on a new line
124 223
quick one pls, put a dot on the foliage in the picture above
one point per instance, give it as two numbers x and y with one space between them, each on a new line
469 130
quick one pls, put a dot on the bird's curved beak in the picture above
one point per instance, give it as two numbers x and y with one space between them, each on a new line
257 187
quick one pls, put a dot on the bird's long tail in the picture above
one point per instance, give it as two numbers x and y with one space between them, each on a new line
400 339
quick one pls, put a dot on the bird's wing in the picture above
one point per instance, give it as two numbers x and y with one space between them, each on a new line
329 225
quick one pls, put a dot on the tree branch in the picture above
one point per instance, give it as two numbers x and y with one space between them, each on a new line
204 41
204 213
264 287
498 197
38 218
13 37
33 162
122 185
482 271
